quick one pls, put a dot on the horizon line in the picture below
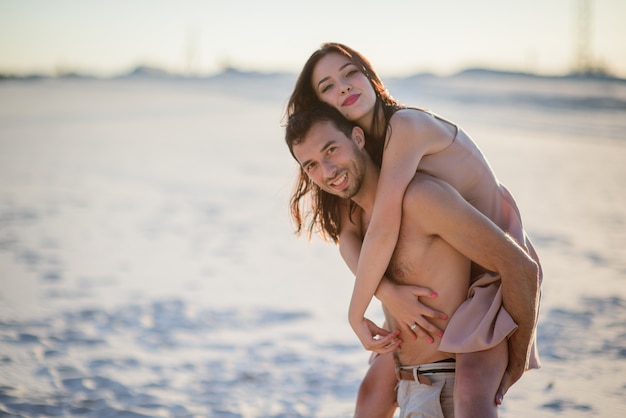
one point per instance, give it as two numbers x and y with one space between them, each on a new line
151 71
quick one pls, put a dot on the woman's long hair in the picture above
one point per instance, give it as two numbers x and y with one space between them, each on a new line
325 209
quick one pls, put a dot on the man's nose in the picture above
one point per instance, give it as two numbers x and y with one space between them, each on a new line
330 169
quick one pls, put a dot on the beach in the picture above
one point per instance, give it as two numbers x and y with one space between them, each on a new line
148 265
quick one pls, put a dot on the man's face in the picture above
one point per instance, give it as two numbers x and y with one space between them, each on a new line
332 160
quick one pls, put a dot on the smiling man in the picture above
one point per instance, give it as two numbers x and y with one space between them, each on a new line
440 235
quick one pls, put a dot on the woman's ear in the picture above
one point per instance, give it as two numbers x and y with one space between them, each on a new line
358 136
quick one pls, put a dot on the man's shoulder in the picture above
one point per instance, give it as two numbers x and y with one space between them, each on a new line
432 204
426 190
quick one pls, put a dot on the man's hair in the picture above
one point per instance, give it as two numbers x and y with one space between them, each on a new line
300 123
309 204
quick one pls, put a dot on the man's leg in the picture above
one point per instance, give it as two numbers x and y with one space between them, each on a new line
377 395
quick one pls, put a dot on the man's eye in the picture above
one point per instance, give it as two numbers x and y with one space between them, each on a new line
309 167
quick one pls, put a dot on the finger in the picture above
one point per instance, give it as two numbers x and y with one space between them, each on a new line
374 329
421 333
386 339
409 331
381 331
431 313
505 384
423 291
384 346
427 328
393 345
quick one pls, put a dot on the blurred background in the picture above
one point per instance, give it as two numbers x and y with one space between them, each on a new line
402 37
148 265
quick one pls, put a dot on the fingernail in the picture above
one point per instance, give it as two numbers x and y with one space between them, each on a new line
444 316
441 334
430 340
434 294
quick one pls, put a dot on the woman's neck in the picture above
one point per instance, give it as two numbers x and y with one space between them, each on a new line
370 127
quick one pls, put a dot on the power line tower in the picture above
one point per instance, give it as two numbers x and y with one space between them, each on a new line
583 50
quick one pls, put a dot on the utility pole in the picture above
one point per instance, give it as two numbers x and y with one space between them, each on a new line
583 50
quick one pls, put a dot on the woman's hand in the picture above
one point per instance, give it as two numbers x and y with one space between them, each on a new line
403 303
375 338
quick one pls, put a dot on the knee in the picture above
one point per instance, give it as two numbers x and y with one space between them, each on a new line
376 395
368 390
374 399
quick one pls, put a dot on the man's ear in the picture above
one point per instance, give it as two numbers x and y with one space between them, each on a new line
358 136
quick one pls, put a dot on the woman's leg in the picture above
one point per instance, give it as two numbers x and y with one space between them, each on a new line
377 394
478 377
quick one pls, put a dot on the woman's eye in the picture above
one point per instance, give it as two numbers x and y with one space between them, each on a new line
326 88
352 70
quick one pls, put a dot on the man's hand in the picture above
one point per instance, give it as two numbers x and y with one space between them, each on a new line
519 351
375 338
520 297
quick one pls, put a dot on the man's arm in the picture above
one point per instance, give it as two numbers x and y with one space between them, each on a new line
448 215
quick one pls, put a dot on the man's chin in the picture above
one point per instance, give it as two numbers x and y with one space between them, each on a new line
339 193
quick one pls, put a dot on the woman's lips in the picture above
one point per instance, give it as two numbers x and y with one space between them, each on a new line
351 99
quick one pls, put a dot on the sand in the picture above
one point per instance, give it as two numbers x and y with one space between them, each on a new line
148 266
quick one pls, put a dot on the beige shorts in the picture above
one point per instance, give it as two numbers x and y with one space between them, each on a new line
417 400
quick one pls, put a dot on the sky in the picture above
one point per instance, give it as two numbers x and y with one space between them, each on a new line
399 37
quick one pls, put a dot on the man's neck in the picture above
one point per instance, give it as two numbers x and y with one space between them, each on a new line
366 196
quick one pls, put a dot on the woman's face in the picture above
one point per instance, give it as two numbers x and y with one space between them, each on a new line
338 82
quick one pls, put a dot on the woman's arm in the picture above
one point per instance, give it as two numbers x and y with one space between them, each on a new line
380 340
401 301
413 134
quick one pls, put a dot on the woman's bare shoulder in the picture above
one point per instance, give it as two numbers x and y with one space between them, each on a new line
417 126
414 120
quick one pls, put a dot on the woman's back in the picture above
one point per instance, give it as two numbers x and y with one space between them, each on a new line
462 165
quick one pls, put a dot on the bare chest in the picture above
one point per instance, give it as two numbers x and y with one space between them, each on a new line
410 260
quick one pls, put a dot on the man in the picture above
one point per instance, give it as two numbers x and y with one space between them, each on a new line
441 234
